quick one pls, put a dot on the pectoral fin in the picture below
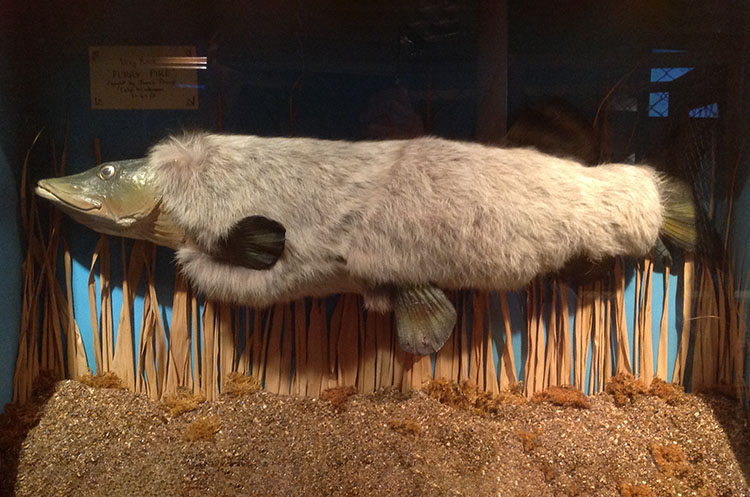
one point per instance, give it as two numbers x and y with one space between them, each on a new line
425 319
255 242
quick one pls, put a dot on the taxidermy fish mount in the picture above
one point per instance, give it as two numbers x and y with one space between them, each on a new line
262 220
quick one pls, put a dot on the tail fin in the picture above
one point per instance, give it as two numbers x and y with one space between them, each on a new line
679 214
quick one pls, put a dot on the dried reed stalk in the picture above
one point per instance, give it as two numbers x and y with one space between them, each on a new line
565 358
123 363
299 380
195 329
52 354
577 334
446 365
401 361
607 345
22 374
491 381
462 339
226 342
107 315
347 342
507 361
272 358
599 352
367 372
40 342
742 348
678 374
422 372
722 354
621 326
146 380
178 362
27 362
706 333
661 354
582 334
384 343
209 373
736 325
212 323
317 347
481 349
593 341
258 318
551 356
76 354
587 330
95 330
637 320
645 343
244 361
161 352
476 360
535 339
287 338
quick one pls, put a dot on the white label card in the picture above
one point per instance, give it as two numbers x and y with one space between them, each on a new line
144 77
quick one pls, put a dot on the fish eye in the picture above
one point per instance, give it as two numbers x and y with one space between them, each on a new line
107 171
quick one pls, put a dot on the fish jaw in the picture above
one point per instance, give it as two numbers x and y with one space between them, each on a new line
74 201
66 194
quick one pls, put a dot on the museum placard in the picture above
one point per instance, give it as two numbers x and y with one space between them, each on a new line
144 77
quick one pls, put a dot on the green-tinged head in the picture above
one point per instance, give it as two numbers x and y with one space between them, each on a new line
115 198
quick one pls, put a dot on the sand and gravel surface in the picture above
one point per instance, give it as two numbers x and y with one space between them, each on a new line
86 441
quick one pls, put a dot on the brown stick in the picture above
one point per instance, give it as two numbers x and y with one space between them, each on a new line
565 358
646 343
623 344
507 360
678 375
347 348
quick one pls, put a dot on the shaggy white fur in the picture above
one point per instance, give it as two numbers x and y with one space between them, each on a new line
370 216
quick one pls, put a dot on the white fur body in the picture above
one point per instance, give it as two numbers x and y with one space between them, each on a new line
369 216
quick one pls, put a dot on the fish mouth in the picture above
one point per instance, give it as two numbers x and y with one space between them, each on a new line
66 194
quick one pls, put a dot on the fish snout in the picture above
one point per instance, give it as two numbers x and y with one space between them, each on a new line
63 192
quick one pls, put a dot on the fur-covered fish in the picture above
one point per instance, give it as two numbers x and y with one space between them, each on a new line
261 220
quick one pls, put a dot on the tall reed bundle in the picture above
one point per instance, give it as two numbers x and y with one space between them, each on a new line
48 326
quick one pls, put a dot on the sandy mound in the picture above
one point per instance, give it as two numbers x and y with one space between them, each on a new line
110 442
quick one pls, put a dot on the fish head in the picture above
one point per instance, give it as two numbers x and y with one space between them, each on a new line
111 198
